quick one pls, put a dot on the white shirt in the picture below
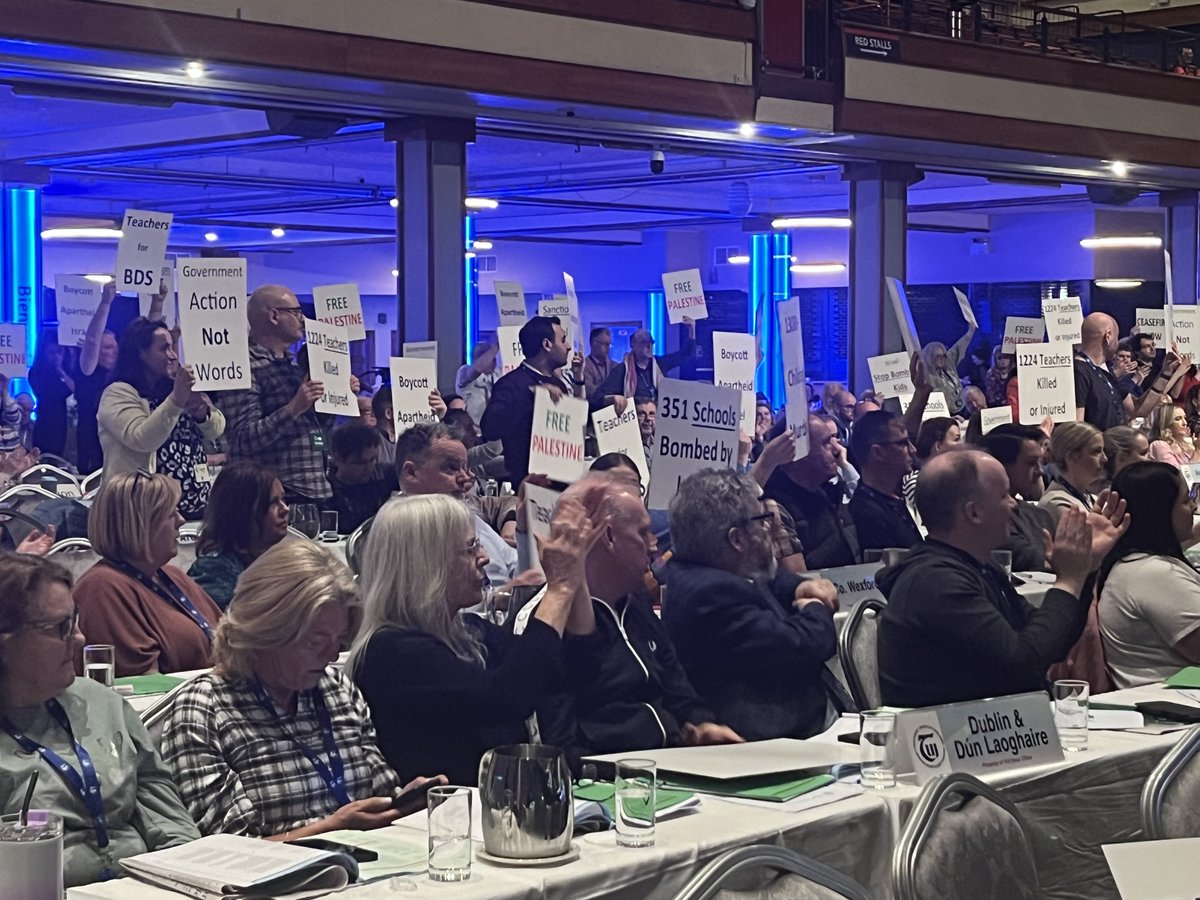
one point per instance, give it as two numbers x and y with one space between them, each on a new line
502 559
475 393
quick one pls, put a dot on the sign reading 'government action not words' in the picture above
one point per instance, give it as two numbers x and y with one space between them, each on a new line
329 363
621 434
791 342
142 249
77 299
419 350
212 322
341 305
993 416
697 428
14 362
556 444
1046 383
413 378
685 296
1183 330
735 359
510 302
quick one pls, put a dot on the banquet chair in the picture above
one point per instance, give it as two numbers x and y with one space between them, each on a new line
355 544
797 877
964 839
48 475
154 717
859 655
1171 796
74 554
189 537
91 483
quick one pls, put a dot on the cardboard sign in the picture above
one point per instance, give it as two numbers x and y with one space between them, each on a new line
1021 330
791 341
854 583
568 314
1191 473
142 249
621 434
978 737
212 322
510 302
413 377
329 363
170 304
1183 330
990 418
935 406
965 305
735 357
14 362
1064 320
908 330
890 375
685 296
1046 383
419 350
1152 322
511 356
77 300
696 428
539 507
574 338
340 305
556 443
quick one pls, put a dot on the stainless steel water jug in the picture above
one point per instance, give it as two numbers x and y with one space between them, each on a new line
525 800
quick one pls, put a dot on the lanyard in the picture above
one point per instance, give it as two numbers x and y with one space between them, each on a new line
176 597
1104 375
85 784
334 774
1087 500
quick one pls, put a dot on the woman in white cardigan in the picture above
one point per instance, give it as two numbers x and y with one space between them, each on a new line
150 417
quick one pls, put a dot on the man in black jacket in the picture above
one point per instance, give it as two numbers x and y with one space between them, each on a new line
753 638
954 628
626 690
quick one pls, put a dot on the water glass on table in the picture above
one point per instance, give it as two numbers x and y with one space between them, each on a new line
636 796
99 663
1071 714
1002 560
877 746
305 519
31 856
329 526
449 833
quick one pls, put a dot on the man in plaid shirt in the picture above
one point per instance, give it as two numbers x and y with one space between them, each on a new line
273 423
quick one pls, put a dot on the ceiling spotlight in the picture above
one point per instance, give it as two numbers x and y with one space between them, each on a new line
1126 242
747 129
395 273
1118 283
211 236
470 254
481 245
194 69
81 234
1118 168
813 222
99 279
277 232
738 259
480 203
818 268
394 203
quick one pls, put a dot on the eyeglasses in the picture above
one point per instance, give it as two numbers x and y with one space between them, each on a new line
473 545
297 311
64 627
765 519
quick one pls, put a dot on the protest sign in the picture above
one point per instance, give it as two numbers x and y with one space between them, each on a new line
1022 330
329 363
77 299
890 375
935 406
621 434
170 305
574 337
413 378
509 339
1064 320
1152 322
965 305
212 322
14 361
1046 383
539 507
1183 322
510 302
735 357
142 249
908 330
791 342
340 304
419 350
997 415
684 295
697 428
556 443
560 305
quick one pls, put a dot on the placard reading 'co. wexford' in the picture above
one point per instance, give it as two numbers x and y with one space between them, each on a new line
890 375
735 357
696 428
791 342
413 378
142 248
212 322
329 363
977 737
685 296
854 583
556 442
14 363
1046 382
76 299
1022 330
341 305
621 434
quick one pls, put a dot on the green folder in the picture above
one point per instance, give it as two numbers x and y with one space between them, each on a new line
1185 678
767 787
150 684
604 793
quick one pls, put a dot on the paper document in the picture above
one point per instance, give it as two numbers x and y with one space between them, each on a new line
745 760
1155 870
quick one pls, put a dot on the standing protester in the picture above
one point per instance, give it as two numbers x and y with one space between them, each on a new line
475 380
639 373
598 364
53 386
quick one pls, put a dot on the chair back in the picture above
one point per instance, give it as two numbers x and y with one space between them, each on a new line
355 544
295 532
1171 795
964 839
185 553
74 554
47 475
858 652
794 877
91 483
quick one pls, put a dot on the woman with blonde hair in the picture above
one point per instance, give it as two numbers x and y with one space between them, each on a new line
1171 438
1078 452
1124 446
155 616
941 368
276 742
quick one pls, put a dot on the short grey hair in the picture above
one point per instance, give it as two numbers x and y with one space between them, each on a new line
706 506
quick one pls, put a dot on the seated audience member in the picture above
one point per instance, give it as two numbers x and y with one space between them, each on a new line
443 686
276 742
157 617
934 437
764 418
973 401
11 420
485 460
360 484
1077 449
1149 595
811 492
246 516
1019 449
995 383
1123 446
366 414
385 425
73 731
844 404
1171 437
752 638
625 687
50 382
454 401
862 407
954 627
885 456
150 418
647 417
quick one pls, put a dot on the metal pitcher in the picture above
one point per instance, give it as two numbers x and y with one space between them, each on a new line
525 800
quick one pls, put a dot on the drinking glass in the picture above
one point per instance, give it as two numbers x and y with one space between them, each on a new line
329 526
31 856
496 604
304 519
635 801
449 833
873 556
99 663
1002 559
1071 714
877 744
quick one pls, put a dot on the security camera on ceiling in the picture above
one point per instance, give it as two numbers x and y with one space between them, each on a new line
658 162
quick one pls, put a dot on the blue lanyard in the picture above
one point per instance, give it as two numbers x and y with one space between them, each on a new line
334 774
85 784
176 597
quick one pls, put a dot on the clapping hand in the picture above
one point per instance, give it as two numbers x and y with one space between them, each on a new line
1109 521
37 543
916 371
1072 552
572 535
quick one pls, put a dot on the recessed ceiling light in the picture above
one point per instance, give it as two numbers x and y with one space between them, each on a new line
813 222
480 203
481 245
212 236
395 273
1128 241
194 69
738 259
818 268
1118 283
747 129
277 232
470 254
78 234
1118 168
99 279
394 203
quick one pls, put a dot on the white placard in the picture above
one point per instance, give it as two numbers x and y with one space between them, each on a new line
575 337
854 583
1152 322
685 296
1064 320
560 305
341 305
978 737
419 350
1022 330
890 375
621 434
935 407
993 416
329 363
539 508
735 358
413 377
510 302
1184 324
511 356
556 442
908 330
965 305
213 327
1046 383
170 305
791 342
14 362
77 300
142 249
1191 473
696 428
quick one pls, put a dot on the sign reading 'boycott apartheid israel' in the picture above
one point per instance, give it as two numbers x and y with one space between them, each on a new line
697 428
413 377
77 299
735 357
212 322
1046 382
329 363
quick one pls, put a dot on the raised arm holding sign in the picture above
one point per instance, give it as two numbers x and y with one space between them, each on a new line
142 248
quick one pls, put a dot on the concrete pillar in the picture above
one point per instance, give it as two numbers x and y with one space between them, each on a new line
1181 240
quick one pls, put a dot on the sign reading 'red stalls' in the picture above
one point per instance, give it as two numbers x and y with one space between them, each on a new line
864 45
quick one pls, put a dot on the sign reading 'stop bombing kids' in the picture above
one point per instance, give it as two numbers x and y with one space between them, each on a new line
685 296
696 428
212 322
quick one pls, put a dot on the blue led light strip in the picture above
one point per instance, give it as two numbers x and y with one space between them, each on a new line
470 289
22 261
656 311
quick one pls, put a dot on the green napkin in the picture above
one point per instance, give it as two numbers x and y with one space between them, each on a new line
1185 678
150 684
604 793
769 787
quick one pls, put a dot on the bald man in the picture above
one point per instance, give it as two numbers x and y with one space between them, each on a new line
638 374
1099 398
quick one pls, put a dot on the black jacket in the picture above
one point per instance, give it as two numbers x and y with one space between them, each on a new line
758 661
954 629
823 522
508 417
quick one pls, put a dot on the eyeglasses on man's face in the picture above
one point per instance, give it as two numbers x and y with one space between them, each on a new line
62 629
297 311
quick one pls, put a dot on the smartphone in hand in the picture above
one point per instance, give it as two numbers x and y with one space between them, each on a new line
413 800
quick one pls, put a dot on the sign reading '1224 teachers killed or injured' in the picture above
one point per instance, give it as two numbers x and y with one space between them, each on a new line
329 363
685 296
696 428
212 322
1046 382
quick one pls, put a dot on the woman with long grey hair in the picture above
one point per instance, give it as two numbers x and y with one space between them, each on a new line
941 368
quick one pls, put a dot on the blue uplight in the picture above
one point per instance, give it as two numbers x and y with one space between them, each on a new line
470 290
656 308
22 260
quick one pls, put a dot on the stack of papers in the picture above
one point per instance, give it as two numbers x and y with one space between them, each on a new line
667 801
150 684
771 788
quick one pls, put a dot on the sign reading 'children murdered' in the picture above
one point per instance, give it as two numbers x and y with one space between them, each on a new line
796 388
1046 382
329 363
212 322
696 428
